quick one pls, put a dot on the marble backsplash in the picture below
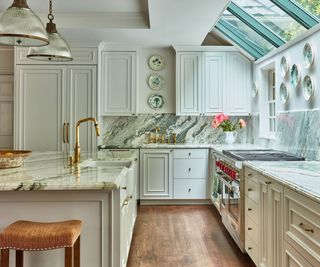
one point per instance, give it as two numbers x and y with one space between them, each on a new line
297 132
127 131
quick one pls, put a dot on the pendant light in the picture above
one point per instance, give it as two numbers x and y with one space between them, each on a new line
57 50
20 26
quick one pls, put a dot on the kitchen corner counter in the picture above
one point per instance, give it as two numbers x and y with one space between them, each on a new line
50 171
301 176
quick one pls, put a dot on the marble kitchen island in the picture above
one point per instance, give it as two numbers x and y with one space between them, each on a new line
100 191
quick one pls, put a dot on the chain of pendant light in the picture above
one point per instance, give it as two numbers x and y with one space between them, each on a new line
50 15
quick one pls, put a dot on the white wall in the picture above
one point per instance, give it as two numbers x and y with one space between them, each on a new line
294 54
168 92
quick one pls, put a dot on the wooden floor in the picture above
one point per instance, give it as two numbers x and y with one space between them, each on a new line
186 236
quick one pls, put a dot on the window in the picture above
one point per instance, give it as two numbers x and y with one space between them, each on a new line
271 103
273 17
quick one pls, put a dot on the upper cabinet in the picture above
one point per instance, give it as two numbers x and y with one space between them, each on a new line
239 84
212 82
189 93
118 83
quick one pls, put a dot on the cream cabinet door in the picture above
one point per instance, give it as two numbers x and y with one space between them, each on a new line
40 107
156 172
239 84
189 83
81 103
118 83
214 82
6 111
275 223
263 223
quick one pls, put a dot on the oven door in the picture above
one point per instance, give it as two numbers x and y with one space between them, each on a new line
230 202
217 190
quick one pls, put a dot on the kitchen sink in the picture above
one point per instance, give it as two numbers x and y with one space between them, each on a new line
106 163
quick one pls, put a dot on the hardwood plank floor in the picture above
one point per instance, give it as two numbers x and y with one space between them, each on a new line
186 236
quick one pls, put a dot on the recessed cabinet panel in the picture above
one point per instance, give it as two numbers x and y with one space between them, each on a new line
82 98
41 96
239 83
189 83
6 62
157 174
215 82
118 82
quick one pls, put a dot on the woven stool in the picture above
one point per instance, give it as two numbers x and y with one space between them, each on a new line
29 236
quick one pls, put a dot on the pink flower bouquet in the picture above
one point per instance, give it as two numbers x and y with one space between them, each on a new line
223 121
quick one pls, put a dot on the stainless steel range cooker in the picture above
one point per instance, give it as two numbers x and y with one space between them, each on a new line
228 181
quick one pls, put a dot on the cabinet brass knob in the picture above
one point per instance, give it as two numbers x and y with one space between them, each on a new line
189 154
189 170
249 174
189 190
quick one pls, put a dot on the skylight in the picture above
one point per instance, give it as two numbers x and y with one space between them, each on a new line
260 26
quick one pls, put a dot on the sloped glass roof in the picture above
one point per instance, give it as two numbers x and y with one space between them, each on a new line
260 26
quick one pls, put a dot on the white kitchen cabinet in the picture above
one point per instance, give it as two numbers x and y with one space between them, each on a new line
239 83
189 83
118 83
48 101
208 83
6 111
214 82
263 219
156 174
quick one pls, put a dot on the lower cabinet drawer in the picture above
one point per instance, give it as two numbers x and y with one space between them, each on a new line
252 250
190 168
291 258
190 153
251 230
190 188
302 225
252 210
252 190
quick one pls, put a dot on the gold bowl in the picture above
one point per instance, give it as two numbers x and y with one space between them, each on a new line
12 158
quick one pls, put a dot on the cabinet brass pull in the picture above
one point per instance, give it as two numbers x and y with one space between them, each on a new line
68 125
268 182
305 228
250 174
64 133
189 154
249 189
249 209
124 188
189 190
249 248
249 228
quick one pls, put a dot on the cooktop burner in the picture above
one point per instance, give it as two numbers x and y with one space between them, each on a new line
262 155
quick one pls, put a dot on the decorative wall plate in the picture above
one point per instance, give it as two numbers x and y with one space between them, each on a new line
254 90
308 55
284 93
156 62
307 87
156 82
295 76
284 66
155 101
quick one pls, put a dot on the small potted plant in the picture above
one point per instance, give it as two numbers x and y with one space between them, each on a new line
223 121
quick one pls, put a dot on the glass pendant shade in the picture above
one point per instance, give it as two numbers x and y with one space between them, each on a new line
57 50
20 26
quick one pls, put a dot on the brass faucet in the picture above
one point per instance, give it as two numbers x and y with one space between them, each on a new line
77 146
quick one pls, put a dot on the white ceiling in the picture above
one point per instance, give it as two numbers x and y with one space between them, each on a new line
138 22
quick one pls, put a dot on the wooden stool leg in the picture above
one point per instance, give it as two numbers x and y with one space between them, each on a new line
76 253
68 257
4 258
19 258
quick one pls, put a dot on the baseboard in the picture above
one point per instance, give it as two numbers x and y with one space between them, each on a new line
175 202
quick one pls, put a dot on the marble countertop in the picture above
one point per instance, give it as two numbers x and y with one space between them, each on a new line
301 176
50 171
